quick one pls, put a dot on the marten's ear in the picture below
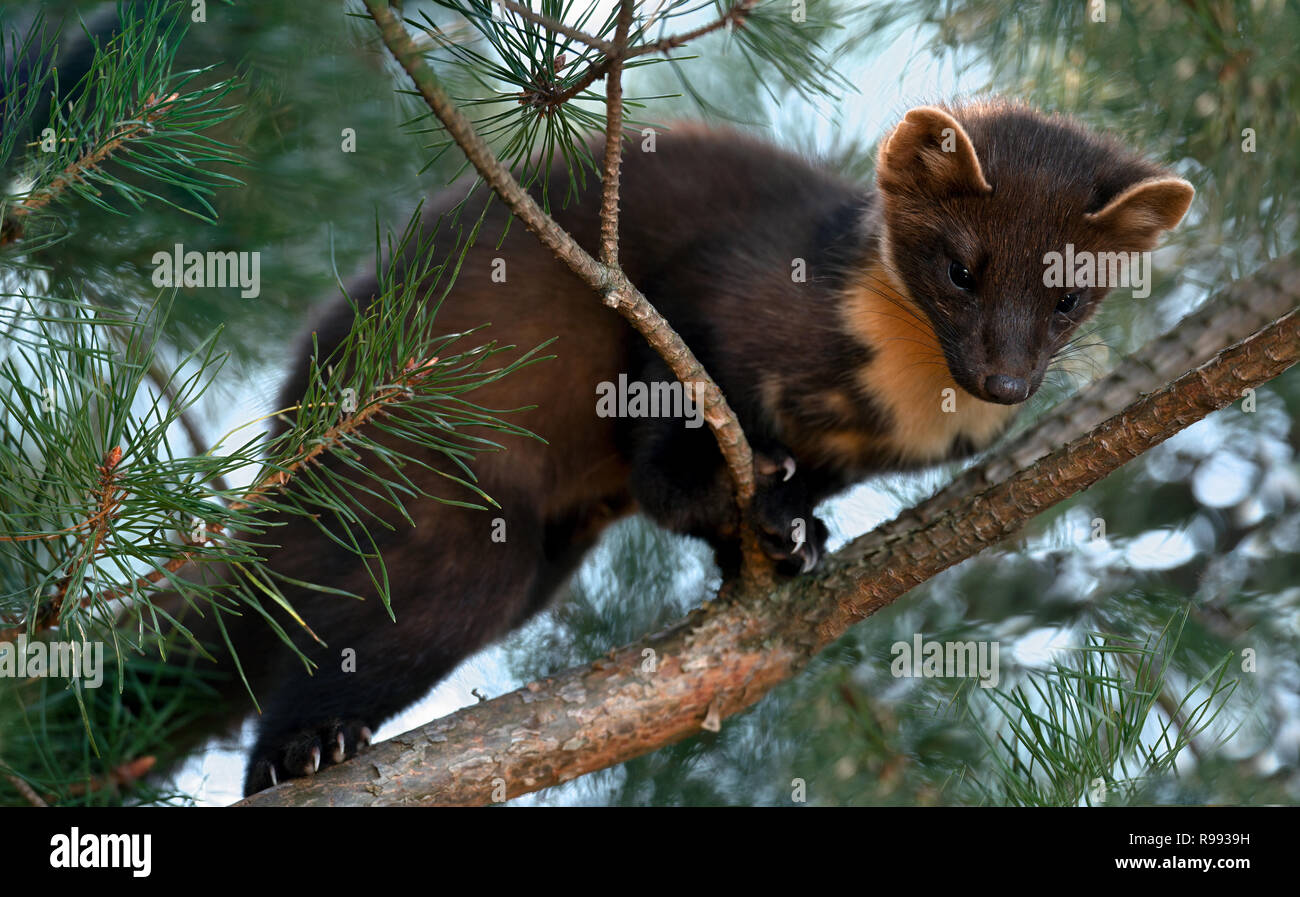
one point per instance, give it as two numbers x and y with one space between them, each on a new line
930 152
1141 212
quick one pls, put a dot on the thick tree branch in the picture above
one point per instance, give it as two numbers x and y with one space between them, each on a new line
610 283
725 656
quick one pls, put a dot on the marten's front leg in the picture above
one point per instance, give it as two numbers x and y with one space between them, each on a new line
681 482
782 512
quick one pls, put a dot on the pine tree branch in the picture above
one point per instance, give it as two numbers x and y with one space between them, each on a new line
122 776
609 282
96 527
76 172
735 15
594 73
271 483
725 656
107 503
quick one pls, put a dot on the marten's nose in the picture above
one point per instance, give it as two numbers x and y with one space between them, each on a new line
1006 390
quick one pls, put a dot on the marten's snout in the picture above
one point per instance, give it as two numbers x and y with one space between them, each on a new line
1006 390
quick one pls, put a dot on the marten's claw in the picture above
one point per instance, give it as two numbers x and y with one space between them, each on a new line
769 464
809 551
810 557
782 516
304 753
796 546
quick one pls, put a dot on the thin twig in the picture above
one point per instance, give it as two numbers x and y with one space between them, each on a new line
594 73
557 27
620 51
737 14
49 610
124 775
610 283
28 793
609 181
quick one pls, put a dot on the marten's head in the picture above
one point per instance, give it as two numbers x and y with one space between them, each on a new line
993 214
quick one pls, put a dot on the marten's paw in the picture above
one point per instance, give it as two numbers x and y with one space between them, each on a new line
782 515
795 541
304 753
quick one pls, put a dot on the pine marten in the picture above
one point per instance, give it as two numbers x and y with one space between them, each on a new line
920 326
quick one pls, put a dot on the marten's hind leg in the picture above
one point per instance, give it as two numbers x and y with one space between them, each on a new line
454 592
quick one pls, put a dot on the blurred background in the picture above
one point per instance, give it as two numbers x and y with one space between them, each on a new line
1200 557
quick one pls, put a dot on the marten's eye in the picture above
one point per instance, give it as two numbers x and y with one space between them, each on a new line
961 278
1068 304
